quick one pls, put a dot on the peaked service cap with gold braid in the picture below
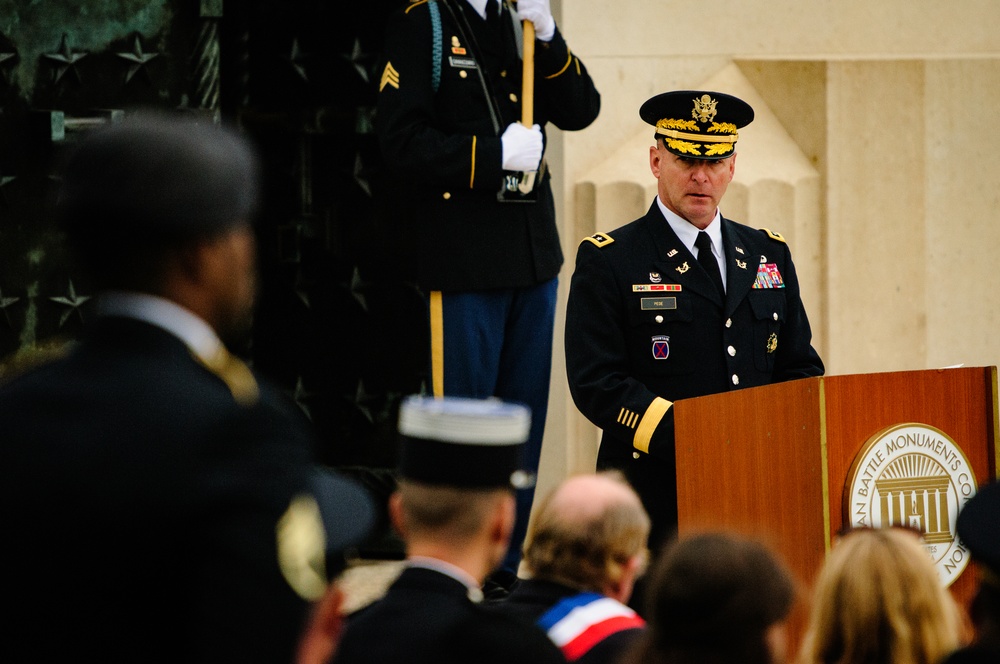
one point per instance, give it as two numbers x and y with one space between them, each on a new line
698 124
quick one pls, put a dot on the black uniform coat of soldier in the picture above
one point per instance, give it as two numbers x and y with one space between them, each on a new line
487 266
646 326
443 148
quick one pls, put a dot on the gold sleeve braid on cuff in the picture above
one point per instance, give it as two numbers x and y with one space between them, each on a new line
472 174
650 420
569 59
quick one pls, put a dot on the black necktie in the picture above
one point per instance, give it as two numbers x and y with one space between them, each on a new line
492 12
707 260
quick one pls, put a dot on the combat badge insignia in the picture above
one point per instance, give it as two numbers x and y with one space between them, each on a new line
768 276
599 239
684 268
772 343
456 47
655 277
389 77
661 347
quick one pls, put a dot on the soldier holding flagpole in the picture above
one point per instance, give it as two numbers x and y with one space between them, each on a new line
471 200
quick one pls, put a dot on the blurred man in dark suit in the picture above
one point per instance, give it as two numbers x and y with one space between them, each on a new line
161 501
584 551
459 466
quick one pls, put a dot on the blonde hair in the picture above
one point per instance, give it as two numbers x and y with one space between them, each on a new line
878 600
587 549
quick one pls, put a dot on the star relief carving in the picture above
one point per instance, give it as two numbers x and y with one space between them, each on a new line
72 301
296 58
359 60
65 60
5 303
6 58
138 58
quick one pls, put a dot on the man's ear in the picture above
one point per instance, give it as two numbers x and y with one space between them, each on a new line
396 513
654 160
503 521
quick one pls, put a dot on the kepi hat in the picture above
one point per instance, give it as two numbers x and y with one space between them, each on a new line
697 124
463 443
979 528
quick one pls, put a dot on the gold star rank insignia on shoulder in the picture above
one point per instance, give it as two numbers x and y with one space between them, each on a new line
389 77
600 239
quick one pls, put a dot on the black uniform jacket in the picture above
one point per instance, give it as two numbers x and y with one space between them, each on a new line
645 327
443 150
427 617
141 505
531 599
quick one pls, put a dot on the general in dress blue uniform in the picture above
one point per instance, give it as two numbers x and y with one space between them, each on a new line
681 302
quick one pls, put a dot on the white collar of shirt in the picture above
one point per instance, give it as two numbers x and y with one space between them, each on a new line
687 233
175 319
474 591
480 6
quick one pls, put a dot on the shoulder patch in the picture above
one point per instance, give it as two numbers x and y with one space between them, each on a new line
774 236
599 239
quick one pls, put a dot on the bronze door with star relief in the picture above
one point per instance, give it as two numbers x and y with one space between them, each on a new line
339 323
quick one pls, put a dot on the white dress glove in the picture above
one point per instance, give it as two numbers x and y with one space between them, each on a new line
522 147
538 12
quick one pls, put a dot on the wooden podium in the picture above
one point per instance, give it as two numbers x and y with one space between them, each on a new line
774 461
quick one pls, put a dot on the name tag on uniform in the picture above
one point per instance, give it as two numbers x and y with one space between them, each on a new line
658 303
464 63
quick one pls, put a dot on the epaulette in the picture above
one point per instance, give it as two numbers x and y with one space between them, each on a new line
599 239
775 236
235 374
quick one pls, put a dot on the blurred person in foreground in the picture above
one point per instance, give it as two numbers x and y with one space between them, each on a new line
878 599
716 598
161 501
584 551
455 510
979 527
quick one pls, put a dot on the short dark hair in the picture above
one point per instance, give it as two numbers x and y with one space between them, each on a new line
711 599
134 190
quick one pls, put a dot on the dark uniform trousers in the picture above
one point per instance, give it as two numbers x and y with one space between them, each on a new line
141 501
645 326
487 267
427 617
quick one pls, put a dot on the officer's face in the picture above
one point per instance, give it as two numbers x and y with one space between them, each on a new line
235 284
691 188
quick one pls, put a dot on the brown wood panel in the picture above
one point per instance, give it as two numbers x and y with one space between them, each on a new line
959 402
750 461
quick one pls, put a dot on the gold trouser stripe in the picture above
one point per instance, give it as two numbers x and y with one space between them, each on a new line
437 344
650 420
704 138
472 175
569 59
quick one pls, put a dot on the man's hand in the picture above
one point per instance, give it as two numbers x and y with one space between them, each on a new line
538 12
522 147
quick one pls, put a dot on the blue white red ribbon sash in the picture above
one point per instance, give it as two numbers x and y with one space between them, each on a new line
578 623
